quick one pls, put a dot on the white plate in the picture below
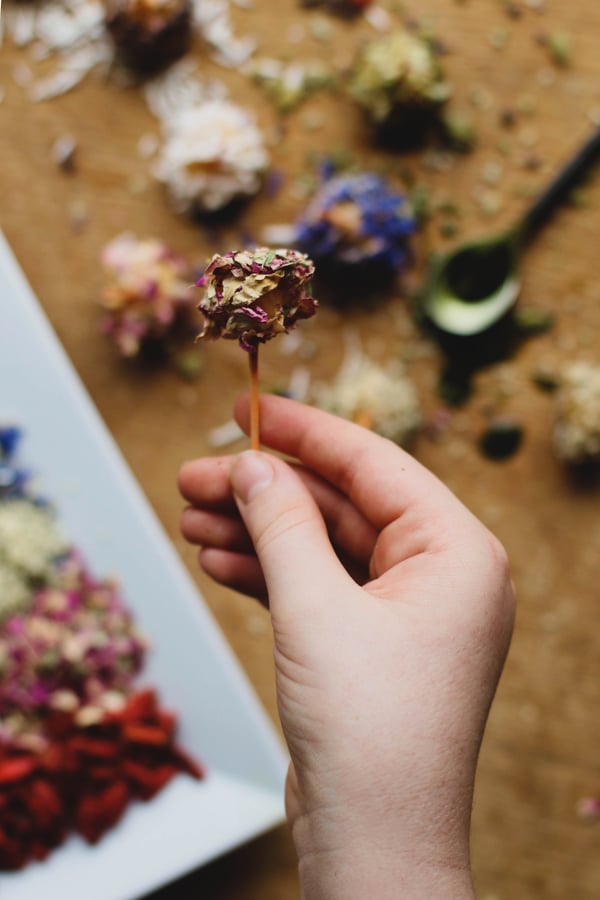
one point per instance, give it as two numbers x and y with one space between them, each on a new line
103 510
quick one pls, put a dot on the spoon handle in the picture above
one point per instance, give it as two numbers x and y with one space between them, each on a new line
562 184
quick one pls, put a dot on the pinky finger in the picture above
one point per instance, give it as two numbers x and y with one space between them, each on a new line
237 571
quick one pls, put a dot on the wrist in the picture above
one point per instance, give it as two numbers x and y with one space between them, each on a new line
376 876
348 877
379 866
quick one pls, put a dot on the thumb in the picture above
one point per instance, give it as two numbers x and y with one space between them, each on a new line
287 530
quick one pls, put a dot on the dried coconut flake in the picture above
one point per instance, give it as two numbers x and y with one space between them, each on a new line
74 32
212 19
70 30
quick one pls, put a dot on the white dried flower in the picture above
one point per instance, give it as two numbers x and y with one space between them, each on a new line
213 154
29 538
14 592
383 399
576 436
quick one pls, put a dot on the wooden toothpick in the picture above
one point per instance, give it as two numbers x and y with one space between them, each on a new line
254 402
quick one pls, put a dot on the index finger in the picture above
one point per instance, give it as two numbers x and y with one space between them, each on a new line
382 480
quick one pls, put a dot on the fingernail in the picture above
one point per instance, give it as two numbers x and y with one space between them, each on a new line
250 474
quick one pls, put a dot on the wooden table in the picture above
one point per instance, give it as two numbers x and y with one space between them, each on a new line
541 752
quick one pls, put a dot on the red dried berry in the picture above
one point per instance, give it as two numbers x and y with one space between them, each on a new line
16 768
147 735
85 778
96 813
145 781
96 748
44 802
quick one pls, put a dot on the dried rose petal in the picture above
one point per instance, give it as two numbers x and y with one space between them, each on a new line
251 296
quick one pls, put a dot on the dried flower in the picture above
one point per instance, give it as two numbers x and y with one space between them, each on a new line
214 153
251 296
576 435
355 221
15 592
397 80
149 34
12 478
152 12
148 290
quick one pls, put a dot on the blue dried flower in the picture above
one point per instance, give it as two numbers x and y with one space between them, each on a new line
357 222
9 439
12 478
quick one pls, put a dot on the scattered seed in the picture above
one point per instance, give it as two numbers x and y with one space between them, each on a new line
63 153
481 98
492 173
147 145
138 184
460 131
501 439
528 320
527 104
528 136
545 380
78 214
546 77
498 38
559 48
321 29
490 203
22 74
588 809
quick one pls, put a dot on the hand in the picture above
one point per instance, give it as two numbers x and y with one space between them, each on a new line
392 611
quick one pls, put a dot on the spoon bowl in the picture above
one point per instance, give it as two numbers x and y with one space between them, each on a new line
473 287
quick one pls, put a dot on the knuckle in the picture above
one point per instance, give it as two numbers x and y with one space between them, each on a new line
273 531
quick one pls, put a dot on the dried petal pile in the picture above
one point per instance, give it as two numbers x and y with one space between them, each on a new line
576 435
83 777
251 296
30 542
78 741
74 644
383 399
147 291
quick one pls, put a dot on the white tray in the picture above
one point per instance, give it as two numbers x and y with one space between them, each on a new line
103 510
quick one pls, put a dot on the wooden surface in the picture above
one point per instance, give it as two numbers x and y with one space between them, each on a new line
542 749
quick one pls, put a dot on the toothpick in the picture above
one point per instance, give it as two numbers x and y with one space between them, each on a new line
254 403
